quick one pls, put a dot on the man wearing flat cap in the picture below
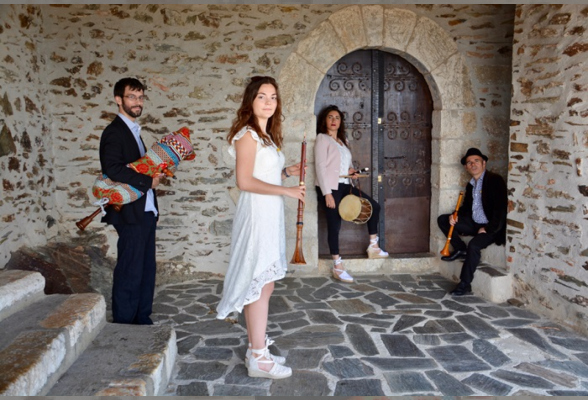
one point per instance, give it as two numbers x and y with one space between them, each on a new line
482 215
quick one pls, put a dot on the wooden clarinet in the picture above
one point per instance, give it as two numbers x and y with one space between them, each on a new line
298 257
445 252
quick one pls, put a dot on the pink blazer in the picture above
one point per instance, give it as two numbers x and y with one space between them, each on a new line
327 160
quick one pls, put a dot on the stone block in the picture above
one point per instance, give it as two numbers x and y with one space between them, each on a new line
322 46
18 289
398 28
349 26
431 45
373 22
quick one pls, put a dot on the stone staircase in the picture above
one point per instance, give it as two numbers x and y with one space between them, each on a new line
62 345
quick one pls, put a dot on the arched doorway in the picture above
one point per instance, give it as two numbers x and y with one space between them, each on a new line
388 111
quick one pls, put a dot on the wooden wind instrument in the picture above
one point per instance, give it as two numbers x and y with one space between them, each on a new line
445 252
81 224
298 257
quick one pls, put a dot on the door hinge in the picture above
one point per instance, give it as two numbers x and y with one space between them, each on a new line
379 178
379 121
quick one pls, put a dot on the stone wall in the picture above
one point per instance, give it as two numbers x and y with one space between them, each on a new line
28 214
195 60
547 226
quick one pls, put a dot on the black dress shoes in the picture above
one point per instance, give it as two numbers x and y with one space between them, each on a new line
455 255
461 289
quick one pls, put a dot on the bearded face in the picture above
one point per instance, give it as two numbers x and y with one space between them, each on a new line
131 104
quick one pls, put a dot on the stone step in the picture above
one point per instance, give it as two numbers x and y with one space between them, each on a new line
41 341
18 289
123 360
492 283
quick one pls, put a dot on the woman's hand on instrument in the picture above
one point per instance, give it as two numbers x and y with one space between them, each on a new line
452 221
296 192
330 200
352 171
294 170
155 181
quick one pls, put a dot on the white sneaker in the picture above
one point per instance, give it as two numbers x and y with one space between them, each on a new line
276 372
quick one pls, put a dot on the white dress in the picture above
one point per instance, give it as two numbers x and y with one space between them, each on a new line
258 239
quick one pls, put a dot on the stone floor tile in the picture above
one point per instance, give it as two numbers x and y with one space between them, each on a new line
349 295
412 298
438 314
159 308
440 326
411 382
384 317
511 322
323 317
193 389
494 311
555 377
289 316
388 286
407 321
212 353
582 357
456 338
293 324
381 299
448 385
205 371
311 336
457 359
325 293
188 343
455 306
522 379
531 336
568 392
417 307
278 305
487 385
314 282
340 351
522 313
401 346
348 368
196 309
361 340
426 340
305 358
301 383
576 344
489 353
478 326
575 368
184 319
361 387
401 364
431 294
233 390
312 306
366 321
354 306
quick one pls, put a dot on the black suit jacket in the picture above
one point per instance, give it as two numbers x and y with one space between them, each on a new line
494 203
118 147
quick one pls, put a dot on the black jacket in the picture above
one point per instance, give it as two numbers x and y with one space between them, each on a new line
118 147
494 203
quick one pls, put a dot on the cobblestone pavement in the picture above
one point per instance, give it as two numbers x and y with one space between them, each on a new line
383 335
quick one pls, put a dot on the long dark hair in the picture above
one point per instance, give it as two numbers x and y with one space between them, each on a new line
321 124
245 116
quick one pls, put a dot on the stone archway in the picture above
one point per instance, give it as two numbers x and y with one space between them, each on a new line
416 38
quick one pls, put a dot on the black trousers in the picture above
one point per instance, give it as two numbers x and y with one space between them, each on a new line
468 227
134 275
334 219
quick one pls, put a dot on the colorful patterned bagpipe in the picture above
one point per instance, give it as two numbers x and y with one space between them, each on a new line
162 158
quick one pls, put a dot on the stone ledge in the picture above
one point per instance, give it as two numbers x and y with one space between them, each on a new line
122 360
18 289
491 283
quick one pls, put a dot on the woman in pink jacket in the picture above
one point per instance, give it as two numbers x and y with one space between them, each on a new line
333 159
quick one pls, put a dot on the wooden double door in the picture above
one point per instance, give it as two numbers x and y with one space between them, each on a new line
387 110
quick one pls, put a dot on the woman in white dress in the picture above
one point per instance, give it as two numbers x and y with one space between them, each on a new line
332 160
258 241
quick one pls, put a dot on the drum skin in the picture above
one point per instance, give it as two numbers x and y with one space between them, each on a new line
355 209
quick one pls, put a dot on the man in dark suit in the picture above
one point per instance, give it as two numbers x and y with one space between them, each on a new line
134 275
482 215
